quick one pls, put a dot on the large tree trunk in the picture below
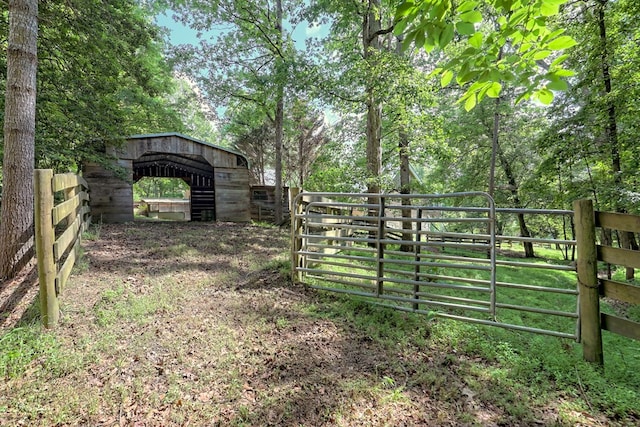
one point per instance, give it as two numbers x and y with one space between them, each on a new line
16 214
279 119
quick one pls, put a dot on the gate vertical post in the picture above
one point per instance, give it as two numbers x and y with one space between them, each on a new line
416 274
296 227
381 236
587 262
45 237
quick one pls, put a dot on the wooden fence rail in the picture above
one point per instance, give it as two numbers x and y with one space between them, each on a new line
58 228
592 320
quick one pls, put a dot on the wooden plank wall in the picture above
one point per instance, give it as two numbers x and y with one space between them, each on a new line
232 194
136 147
111 197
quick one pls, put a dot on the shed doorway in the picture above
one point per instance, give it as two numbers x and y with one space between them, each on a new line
196 173
162 199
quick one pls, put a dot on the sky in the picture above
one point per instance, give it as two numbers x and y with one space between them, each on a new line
180 34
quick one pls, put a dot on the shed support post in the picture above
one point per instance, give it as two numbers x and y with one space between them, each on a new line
590 330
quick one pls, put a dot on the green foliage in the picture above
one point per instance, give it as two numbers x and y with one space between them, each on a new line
503 366
173 188
101 76
503 41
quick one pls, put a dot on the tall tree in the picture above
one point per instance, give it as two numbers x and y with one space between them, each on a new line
305 137
248 58
279 115
371 46
16 214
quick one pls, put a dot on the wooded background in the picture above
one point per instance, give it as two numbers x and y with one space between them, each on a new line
385 84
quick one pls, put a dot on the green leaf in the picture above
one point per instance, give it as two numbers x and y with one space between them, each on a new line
524 97
518 16
548 9
420 39
524 47
463 78
561 43
439 11
494 90
446 36
465 28
467 5
557 85
544 95
559 60
541 54
552 35
446 78
470 102
562 72
429 45
472 16
476 40
409 38
400 27
404 9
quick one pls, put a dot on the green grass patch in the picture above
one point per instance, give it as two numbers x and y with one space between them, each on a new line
512 369
126 302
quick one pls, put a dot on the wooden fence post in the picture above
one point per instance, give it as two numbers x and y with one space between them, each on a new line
45 237
296 226
590 330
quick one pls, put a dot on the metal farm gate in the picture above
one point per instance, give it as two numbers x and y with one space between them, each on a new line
438 255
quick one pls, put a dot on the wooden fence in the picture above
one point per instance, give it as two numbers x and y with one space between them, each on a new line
591 287
61 215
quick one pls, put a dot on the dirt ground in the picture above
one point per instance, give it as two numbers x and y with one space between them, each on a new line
196 324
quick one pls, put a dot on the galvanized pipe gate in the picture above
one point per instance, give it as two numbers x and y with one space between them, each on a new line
430 254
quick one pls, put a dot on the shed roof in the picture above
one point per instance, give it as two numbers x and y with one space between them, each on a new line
188 138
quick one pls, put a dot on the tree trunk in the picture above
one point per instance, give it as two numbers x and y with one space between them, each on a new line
405 188
494 141
494 148
279 119
371 44
16 213
301 163
405 175
513 186
612 128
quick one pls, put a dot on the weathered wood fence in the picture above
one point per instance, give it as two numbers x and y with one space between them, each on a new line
591 287
61 215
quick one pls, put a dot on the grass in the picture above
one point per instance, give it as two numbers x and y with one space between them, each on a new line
209 331
517 364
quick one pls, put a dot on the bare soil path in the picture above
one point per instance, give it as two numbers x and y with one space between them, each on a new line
196 324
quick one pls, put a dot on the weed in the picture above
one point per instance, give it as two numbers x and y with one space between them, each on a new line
27 347
93 232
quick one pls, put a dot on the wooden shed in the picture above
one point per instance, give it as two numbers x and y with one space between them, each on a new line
218 177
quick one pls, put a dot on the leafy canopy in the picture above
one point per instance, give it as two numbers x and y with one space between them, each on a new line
502 41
